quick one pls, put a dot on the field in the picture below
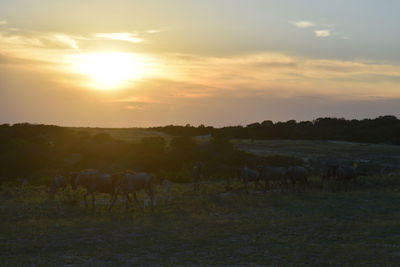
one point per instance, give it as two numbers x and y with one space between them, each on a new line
213 227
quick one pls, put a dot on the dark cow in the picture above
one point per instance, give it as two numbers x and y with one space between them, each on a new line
247 175
298 175
93 181
340 175
273 177
345 174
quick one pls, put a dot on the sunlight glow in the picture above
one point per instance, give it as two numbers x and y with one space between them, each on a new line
109 70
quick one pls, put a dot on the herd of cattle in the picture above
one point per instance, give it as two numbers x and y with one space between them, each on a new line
268 178
122 183
296 177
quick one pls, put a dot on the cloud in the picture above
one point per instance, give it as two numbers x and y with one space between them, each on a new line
322 33
191 76
152 31
121 36
17 39
135 106
65 39
303 24
3 22
135 100
281 76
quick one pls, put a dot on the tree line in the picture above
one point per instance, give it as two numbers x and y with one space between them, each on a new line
38 152
383 129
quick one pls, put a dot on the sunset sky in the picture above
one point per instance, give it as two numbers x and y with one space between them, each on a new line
146 63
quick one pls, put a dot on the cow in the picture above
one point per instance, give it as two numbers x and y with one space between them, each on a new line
345 174
340 175
273 176
298 175
247 175
132 182
93 181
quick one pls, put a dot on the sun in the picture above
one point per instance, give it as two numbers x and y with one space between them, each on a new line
109 70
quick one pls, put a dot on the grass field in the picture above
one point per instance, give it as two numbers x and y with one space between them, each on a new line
212 227
314 228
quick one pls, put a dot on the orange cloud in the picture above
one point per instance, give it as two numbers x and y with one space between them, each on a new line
177 76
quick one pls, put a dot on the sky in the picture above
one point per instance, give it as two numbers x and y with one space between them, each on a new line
147 63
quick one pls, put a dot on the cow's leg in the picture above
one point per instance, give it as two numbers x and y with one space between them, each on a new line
93 201
152 200
265 185
341 184
272 185
256 182
308 186
113 199
137 201
128 198
285 185
169 194
245 187
197 185
126 195
344 185
84 198
295 185
135 197
325 183
337 185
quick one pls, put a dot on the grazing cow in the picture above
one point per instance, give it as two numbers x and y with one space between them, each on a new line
273 176
197 173
247 175
341 175
93 181
57 183
345 174
329 175
298 175
132 182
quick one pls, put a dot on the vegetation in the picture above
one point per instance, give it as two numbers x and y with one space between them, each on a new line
210 227
207 228
38 152
384 129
